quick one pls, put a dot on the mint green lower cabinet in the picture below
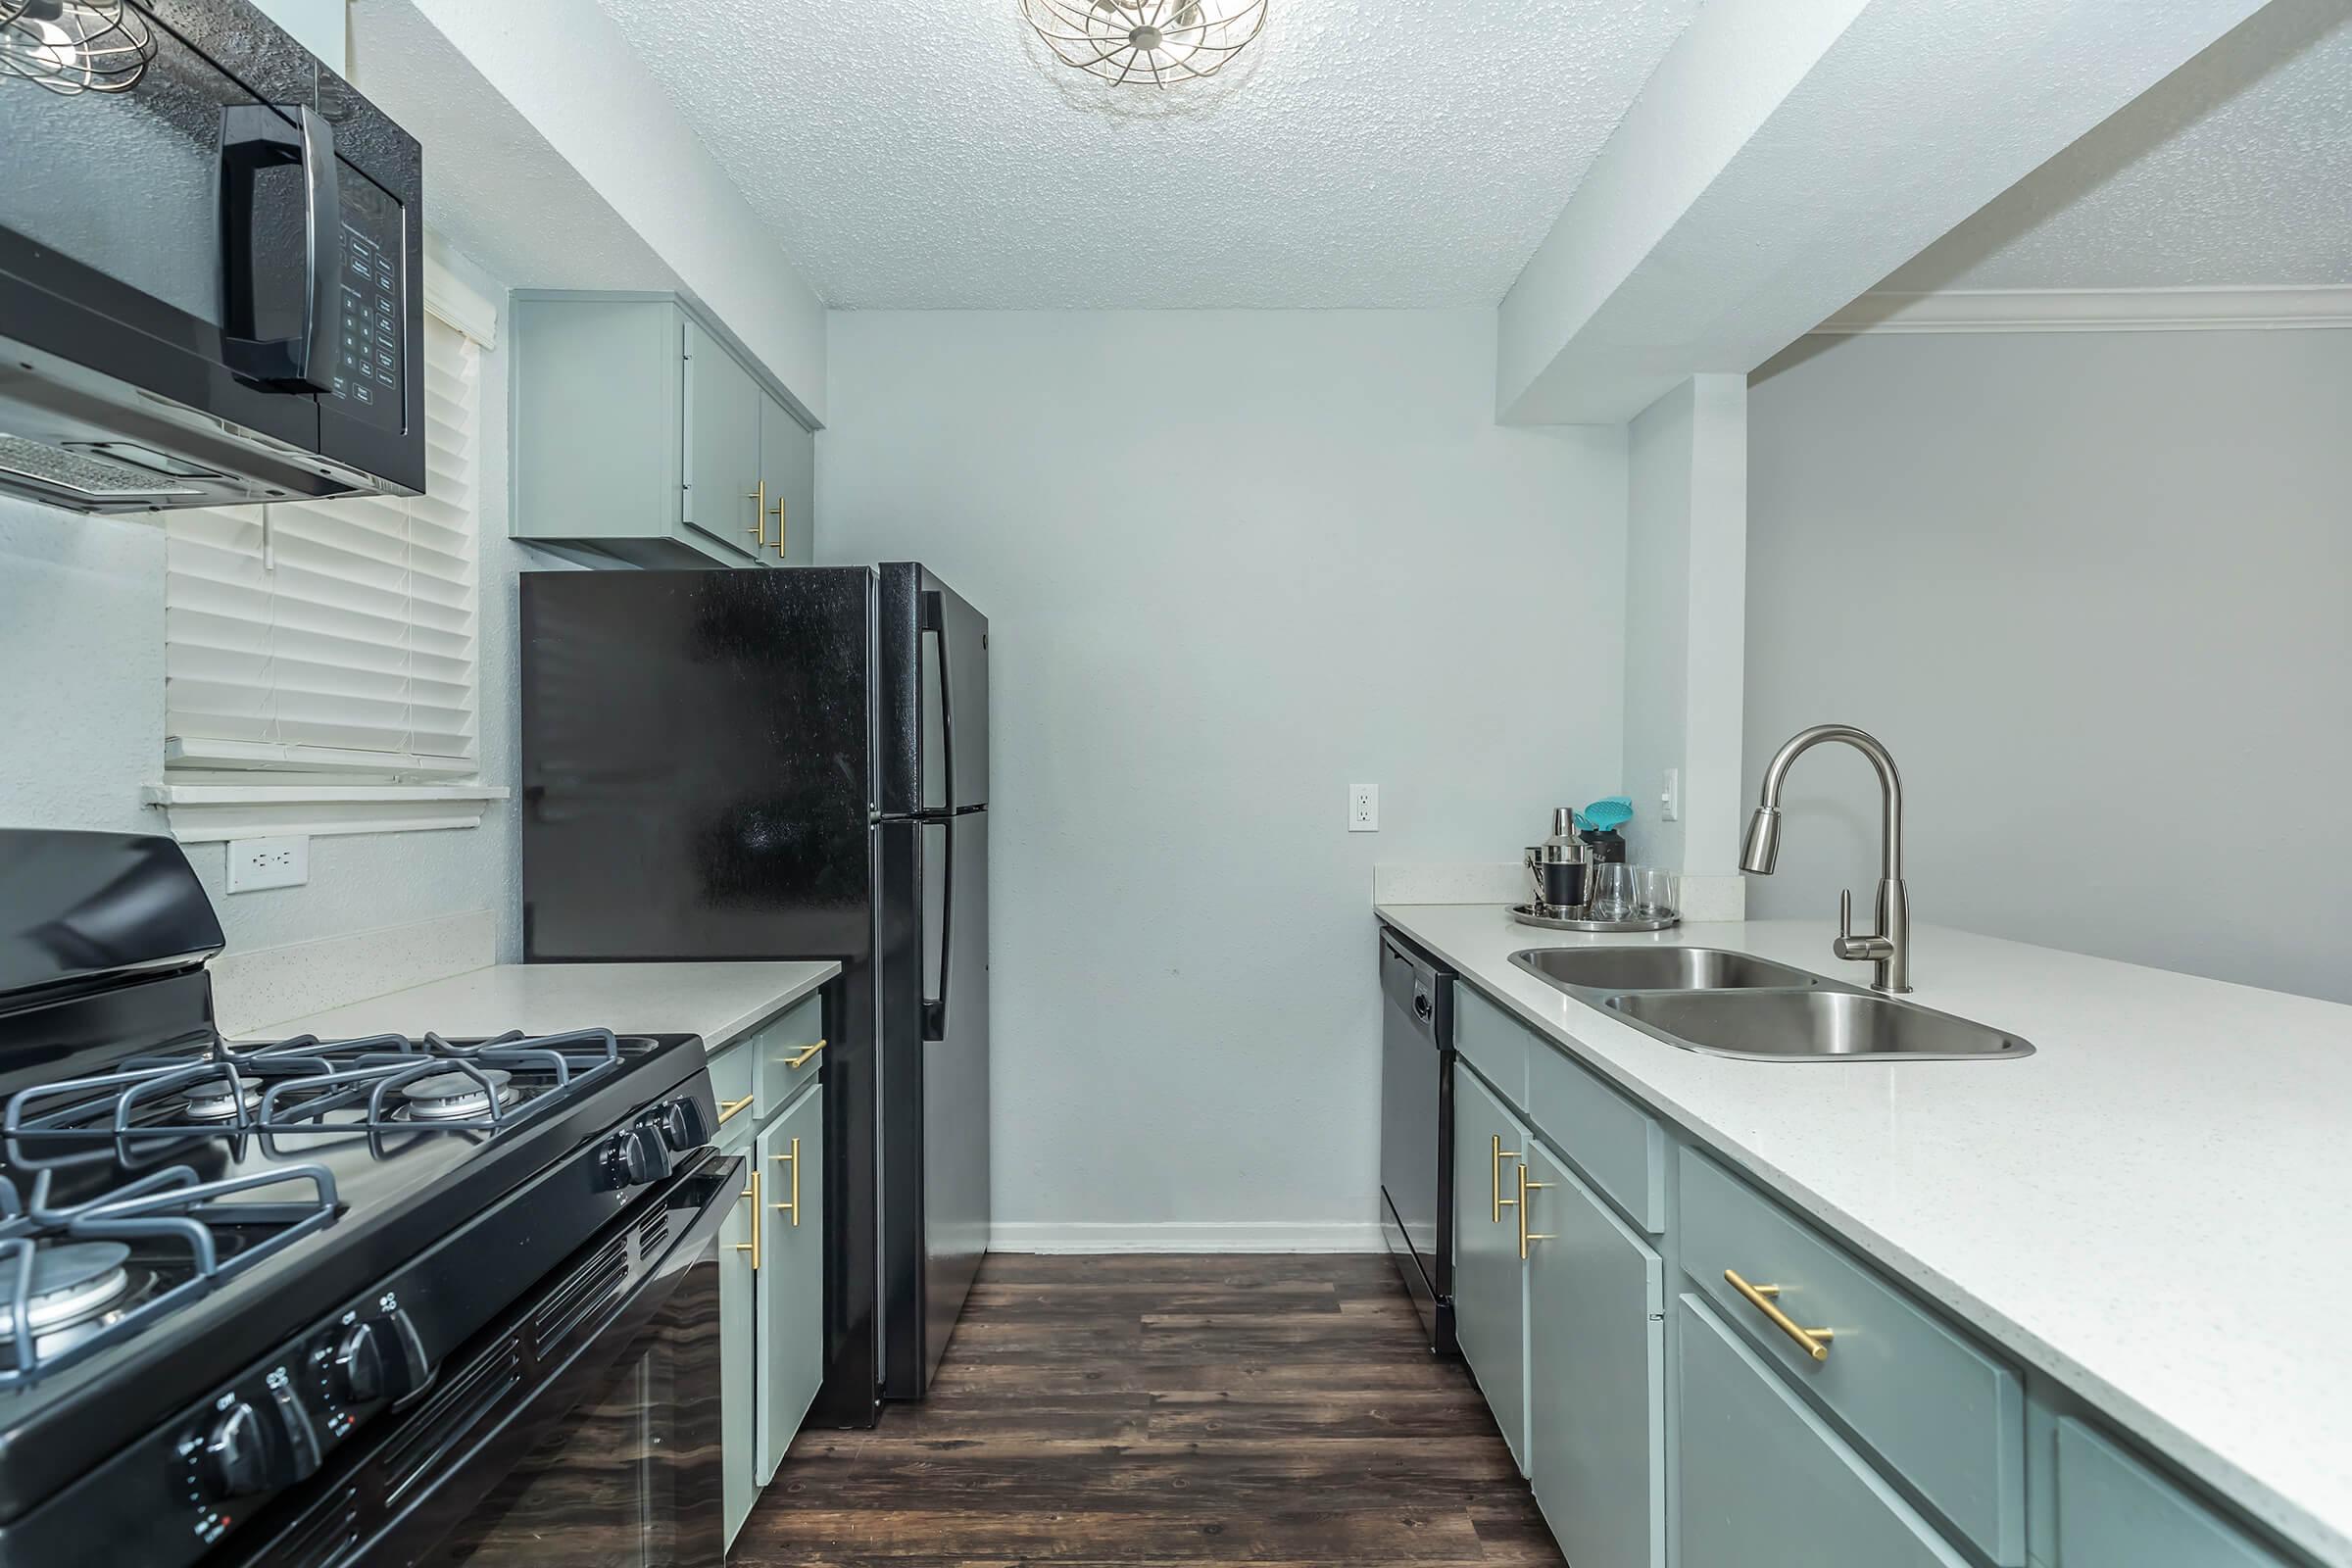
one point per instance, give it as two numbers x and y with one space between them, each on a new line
1489 1283
2114 1512
739 1357
792 1273
1762 1483
1596 1375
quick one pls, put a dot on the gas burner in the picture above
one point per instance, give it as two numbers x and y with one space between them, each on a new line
72 1283
455 1095
219 1100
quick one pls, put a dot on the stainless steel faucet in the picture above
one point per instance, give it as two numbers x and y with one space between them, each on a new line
1888 948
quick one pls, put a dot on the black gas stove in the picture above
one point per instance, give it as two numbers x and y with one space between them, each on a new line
289 1302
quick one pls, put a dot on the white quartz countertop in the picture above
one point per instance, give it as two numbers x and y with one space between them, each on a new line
2155 1208
720 1002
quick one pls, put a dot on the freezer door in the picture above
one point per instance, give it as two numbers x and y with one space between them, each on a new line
934 697
695 759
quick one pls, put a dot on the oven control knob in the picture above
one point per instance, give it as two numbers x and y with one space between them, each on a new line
682 1125
640 1156
359 1364
238 1460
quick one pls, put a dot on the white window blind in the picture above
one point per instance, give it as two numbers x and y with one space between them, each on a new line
336 636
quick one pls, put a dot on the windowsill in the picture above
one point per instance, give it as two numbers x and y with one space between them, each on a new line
211 812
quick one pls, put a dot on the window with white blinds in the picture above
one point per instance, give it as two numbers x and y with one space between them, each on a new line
336 636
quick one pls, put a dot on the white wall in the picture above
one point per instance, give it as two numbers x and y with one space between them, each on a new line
1232 561
81 639
2092 590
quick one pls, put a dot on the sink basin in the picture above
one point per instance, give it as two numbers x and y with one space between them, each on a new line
1657 970
1820 1025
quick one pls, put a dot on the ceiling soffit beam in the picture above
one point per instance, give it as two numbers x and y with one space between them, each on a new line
1789 154
566 71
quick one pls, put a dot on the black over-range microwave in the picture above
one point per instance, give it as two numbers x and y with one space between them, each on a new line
210 264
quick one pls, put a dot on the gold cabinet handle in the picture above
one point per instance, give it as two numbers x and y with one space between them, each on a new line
729 1109
777 510
752 1245
1526 1187
759 500
1815 1343
796 1062
1495 1175
794 1207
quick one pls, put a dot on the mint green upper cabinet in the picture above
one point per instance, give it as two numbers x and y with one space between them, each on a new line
643 431
788 465
723 488
1489 1283
1763 1483
792 1273
1595 1374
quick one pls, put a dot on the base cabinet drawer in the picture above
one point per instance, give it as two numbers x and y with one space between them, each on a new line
1597 1375
1489 1283
790 1055
1931 1406
1763 1483
1494 1042
2114 1512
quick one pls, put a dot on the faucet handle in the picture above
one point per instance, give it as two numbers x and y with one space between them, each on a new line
1861 950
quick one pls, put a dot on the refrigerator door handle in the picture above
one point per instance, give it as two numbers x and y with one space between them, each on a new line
935 1008
935 626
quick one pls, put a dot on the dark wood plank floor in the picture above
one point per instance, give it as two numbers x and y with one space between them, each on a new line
1177 1410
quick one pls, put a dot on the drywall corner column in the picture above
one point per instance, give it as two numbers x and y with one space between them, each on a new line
1685 635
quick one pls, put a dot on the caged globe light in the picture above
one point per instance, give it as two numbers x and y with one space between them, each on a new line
76 46
1154 42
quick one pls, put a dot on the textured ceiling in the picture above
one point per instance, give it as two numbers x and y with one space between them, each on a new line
929 154
2235 170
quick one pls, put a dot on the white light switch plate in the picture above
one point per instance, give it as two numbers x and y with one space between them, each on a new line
1363 807
1670 799
258 863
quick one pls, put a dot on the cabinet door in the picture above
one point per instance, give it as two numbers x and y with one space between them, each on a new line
2114 1512
721 446
792 1274
739 1359
1762 1483
1489 1283
788 461
1595 1374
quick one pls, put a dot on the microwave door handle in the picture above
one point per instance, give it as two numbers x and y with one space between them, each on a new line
253 137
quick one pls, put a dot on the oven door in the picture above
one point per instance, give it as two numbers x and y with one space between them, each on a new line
584 1433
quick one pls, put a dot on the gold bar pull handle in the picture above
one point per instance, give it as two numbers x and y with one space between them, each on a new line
777 511
800 1060
1495 1173
792 1207
1525 1237
759 500
752 1245
729 1109
1815 1343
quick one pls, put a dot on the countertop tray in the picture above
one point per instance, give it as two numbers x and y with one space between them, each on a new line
1525 915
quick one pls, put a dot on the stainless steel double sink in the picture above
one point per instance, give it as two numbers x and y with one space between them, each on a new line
1736 1005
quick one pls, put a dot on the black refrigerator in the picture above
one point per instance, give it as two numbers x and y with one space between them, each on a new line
792 764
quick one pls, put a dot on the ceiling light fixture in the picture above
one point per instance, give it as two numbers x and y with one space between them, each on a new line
76 46
1151 42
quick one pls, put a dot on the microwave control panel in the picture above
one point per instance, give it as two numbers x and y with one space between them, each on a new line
368 367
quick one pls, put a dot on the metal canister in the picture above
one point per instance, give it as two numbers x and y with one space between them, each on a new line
1558 868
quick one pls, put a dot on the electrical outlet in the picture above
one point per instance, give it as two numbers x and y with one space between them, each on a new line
258 863
1670 799
1363 807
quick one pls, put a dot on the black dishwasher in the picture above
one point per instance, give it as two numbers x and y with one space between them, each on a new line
1416 1130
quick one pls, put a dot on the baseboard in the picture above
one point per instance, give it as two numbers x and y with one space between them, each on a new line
1184 1236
